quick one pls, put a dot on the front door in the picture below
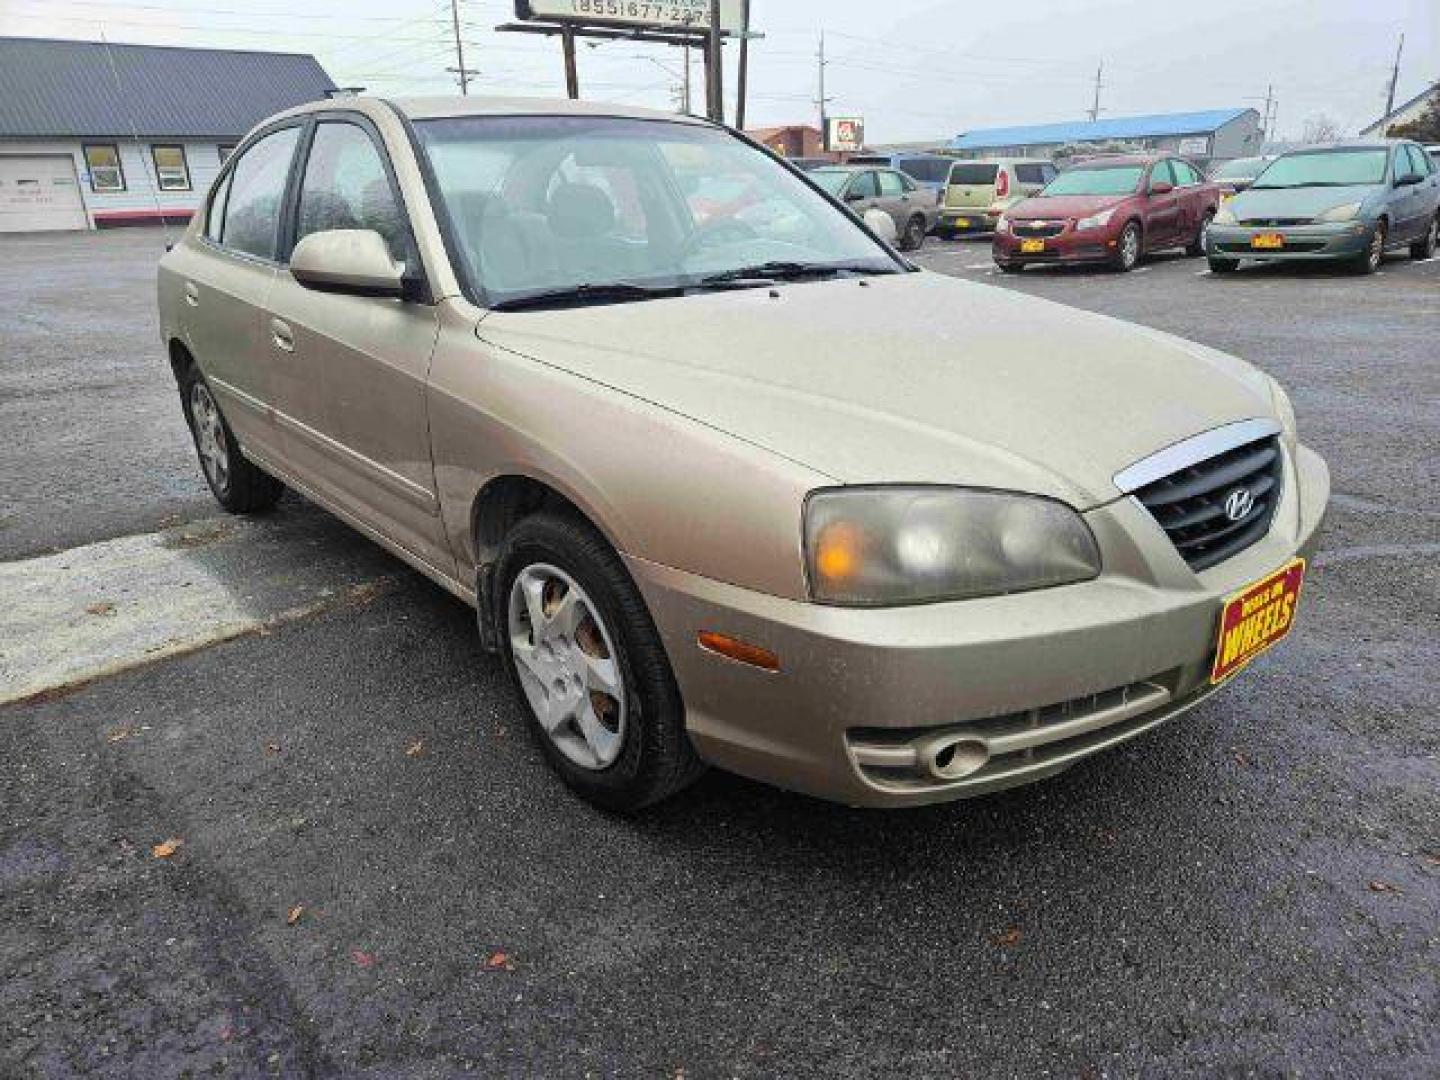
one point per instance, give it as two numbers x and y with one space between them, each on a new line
356 424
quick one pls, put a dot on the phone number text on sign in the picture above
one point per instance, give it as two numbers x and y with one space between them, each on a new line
669 14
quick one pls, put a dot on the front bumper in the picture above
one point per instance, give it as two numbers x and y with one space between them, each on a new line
1037 680
1068 246
1341 240
969 219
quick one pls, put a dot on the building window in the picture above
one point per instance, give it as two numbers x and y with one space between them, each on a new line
170 168
225 149
103 164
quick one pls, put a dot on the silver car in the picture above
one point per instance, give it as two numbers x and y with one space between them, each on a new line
913 208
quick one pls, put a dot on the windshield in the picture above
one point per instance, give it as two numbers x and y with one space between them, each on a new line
542 204
1325 168
1111 180
1239 169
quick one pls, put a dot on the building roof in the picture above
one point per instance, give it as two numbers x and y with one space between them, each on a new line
85 89
1379 126
1119 127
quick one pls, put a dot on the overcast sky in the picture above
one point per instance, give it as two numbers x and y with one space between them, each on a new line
914 69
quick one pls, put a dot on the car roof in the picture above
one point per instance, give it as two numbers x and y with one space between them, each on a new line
1120 159
437 108
1348 144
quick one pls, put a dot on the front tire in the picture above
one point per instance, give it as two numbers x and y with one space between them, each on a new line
1128 249
914 237
587 662
1374 254
238 485
1424 248
1223 266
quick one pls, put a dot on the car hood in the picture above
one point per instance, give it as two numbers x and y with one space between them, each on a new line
1296 202
1065 206
911 377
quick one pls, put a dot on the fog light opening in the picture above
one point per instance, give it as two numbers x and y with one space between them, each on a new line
957 758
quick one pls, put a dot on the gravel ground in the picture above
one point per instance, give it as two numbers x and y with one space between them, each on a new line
1254 889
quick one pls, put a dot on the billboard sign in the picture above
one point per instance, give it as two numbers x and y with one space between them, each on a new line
639 14
1194 146
846 133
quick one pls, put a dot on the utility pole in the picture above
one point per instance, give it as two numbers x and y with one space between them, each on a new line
743 78
822 100
686 100
1266 122
1095 108
1394 78
460 69
715 68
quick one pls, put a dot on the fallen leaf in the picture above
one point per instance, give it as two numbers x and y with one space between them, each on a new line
415 749
1009 937
166 848
293 916
120 734
499 962
1433 860
272 748
362 958
104 607
227 1033
1383 886
1241 759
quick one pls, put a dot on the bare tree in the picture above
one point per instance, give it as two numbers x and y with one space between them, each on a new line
1320 128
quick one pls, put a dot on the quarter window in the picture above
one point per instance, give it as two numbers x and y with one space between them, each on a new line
346 187
256 194
171 170
215 220
103 164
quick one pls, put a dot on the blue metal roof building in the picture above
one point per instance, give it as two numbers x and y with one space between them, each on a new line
1209 134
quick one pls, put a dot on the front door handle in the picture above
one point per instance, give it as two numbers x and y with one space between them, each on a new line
282 336
192 294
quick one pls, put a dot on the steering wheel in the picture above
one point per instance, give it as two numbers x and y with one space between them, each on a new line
726 230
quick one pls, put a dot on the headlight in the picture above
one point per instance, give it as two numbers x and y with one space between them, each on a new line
1094 221
883 546
1285 409
1348 212
1224 216
1003 225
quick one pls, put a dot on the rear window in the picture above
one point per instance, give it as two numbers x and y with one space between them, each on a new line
973 174
931 170
1034 174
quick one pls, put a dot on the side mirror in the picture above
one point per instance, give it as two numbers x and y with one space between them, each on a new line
882 225
354 261
1161 187
1408 180
854 196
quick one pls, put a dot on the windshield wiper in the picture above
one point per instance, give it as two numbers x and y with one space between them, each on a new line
615 292
783 270
1304 183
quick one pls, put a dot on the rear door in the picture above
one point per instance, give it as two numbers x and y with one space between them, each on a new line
226 276
356 420
1190 187
896 199
971 185
863 192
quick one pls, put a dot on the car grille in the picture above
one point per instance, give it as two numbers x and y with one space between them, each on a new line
1191 505
1292 246
1274 222
1037 228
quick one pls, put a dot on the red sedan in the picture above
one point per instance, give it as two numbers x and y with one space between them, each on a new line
1109 210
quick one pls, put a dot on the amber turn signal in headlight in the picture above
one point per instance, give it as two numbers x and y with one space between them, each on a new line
880 546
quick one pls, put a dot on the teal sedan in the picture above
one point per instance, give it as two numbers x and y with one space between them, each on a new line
1350 202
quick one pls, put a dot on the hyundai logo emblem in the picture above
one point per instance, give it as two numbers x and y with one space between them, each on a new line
1239 503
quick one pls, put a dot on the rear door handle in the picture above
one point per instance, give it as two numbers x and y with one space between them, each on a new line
192 294
282 336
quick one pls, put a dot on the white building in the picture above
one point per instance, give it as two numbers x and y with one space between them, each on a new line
93 135
1406 113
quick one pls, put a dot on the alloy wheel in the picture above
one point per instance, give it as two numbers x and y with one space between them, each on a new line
1376 252
568 666
1129 247
209 436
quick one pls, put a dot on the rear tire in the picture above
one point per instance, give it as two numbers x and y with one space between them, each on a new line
1197 247
238 485
1009 268
1129 248
1424 248
643 754
1223 266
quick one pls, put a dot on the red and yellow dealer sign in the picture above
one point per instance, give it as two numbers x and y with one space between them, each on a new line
1256 618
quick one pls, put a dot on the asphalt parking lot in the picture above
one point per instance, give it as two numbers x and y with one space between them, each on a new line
379 877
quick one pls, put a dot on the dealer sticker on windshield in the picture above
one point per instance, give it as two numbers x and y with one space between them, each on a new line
1256 618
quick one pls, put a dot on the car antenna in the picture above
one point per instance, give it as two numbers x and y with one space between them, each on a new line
150 177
